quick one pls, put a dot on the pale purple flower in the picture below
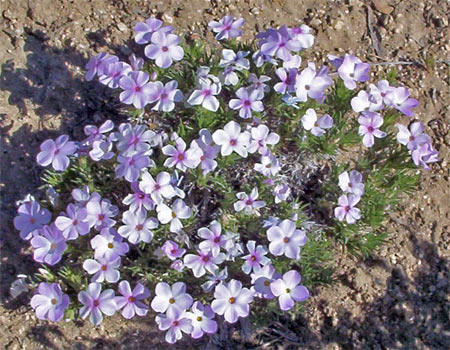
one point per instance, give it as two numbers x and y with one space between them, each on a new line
113 73
317 126
102 149
175 181
202 76
262 280
130 300
258 83
425 154
232 301
311 83
134 139
96 304
204 261
49 302
173 215
238 60
351 70
209 149
169 298
159 188
255 259
82 196
370 123
414 137
56 152
31 218
138 227
229 76
103 269
136 89
287 83
233 248
259 58
399 99
97 133
108 244
286 239
74 224
164 49
145 30
281 192
261 138
177 265
247 102
294 63
279 43
172 251
214 279
288 290
231 139
351 183
213 239
176 322
249 203
136 63
165 96
130 167
365 101
181 158
139 200
202 320
269 166
100 213
49 245
303 35
291 101
97 64
382 89
227 28
346 210
206 95
271 221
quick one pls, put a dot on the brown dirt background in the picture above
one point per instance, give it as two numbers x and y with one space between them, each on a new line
398 300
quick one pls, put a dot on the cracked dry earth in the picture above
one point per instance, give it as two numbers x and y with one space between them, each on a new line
397 300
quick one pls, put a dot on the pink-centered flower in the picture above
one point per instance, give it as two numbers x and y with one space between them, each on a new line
145 30
97 64
351 183
288 290
56 153
346 209
103 269
31 218
175 322
130 301
213 239
255 259
74 224
261 139
249 203
231 139
204 261
286 239
399 99
136 89
370 123
158 188
247 102
165 96
96 303
49 245
138 227
227 28
171 250
206 95
414 137
317 126
164 49
181 158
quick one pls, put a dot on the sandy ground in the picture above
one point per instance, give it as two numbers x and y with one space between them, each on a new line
399 300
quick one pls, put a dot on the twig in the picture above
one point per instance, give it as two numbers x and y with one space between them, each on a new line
373 33
266 345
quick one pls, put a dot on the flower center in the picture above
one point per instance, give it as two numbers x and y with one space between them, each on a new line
307 87
217 239
171 300
53 246
233 142
253 258
370 129
175 323
202 157
249 202
75 222
286 239
205 258
352 75
54 301
247 103
110 245
232 300
316 124
267 283
95 303
350 185
163 95
411 138
165 49
347 208
137 89
199 319
180 156
157 187
131 299
104 267
288 290
174 215
206 92
56 151
101 217
33 220
141 196
139 227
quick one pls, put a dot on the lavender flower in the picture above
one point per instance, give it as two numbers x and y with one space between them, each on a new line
108 244
201 320
209 150
286 239
136 63
100 213
351 183
381 90
214 279
399 99
365 101
248 203
74 224
261 138
231 139
262 280
130 300
279 43
351 70
288 290
134 139
258 83
227 28
159 188
247 102
175 321
137 228
346 210
205 96
97 64
269 166
316 125
179 157
145 30
238 60
232 301
312 83
103 269
97 134
130 167
164 49
303 35
56 153
139 200
287 83
172 298
172 251
179 211
49 245
255 259
49 302
113 73
213 239
136 89
414 137
96 304
204 261
281 193
165 96
31 218
425 154
370 123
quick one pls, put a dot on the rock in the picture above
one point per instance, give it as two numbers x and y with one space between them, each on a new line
382 6
122 27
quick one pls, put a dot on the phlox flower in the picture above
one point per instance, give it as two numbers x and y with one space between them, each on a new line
82 196
247 102
138 227
159 188
425 154
259 58
177 265
49 245
214 279
204 261
213 239
351 183
97 64
258 83
229 76
96 303
271 221
262 279
287 83
103 269
248 203
414 137
261 138
281 193
130 167
171 250
209 149
102 149
399 99
134 139
231 300
164 49
233 248
365 101
238 60
227 28
286 239
130 300
269 166
100 213
255 259
49 302
312 83
288 290
180 157
291 101
169 298
303 35
279 43
346 210
145 30
176 322
294 63
74 223
231 139
382 89
31 218
113 73
206 95
370 123
139 200
351 69
316 125
136 63
165 96
173 215
202 320
136 89
56 153
108 244
94 133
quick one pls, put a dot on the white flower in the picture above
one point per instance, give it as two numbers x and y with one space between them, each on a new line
231 139
179 211
249 202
